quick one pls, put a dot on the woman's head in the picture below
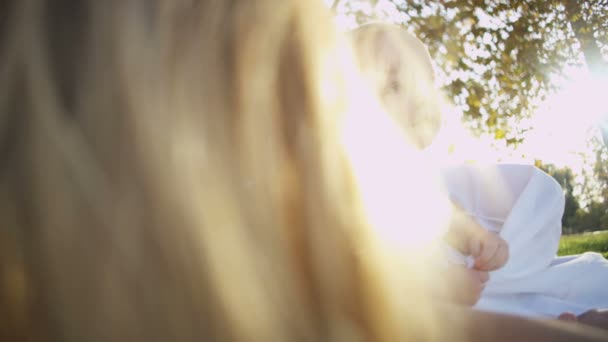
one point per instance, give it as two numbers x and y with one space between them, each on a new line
172 171
400 70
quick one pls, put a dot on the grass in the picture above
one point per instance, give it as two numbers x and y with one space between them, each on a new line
587 242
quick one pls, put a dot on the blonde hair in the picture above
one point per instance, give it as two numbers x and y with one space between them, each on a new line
171 172
400 71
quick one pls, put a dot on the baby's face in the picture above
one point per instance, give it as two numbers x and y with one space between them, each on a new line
408 93
417 116
465 284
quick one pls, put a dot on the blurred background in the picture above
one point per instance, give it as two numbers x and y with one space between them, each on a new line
526 82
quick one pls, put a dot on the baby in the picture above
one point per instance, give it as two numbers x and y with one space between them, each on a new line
398 67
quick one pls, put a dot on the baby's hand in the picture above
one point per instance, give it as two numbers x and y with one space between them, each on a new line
489 250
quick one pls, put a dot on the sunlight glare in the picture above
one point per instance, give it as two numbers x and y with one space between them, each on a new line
400 189
568 119
559 134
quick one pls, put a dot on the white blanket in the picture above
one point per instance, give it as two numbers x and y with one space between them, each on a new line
525 206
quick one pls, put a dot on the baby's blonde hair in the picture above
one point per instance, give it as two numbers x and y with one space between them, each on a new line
400 70
171 172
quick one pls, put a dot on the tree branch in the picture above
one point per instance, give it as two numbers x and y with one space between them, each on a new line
335 5
589 46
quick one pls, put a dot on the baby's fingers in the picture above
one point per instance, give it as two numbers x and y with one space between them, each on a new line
486 250
499 259
493 253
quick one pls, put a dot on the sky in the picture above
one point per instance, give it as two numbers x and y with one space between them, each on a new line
561 128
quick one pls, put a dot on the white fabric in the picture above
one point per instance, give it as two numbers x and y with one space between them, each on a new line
525 205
